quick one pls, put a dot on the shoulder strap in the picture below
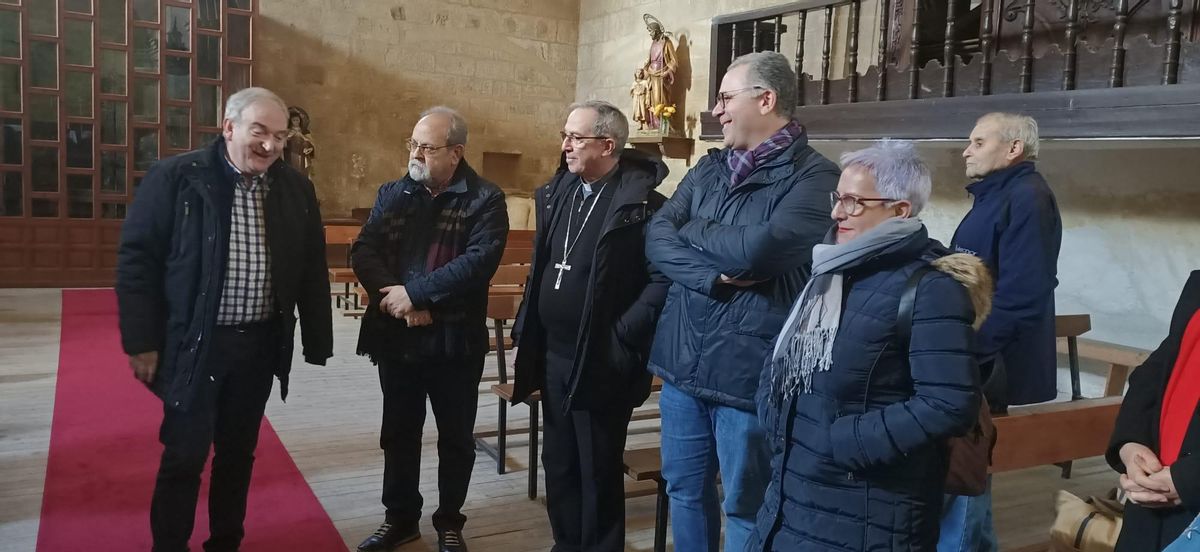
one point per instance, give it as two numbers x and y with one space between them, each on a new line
904 318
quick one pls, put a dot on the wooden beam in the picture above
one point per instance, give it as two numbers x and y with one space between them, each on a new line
1129 112
1052 433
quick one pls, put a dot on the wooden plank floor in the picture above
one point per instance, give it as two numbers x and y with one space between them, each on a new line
330 426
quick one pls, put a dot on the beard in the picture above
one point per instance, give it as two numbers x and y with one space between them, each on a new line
418 171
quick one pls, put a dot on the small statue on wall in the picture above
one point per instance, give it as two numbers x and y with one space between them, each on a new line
642 109
299 150
660 66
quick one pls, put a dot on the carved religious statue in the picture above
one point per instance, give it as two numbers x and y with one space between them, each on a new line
299 150
643 112
660 66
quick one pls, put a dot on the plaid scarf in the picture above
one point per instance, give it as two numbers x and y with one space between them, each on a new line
743 162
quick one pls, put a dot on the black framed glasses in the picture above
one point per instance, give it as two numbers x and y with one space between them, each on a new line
577 140
853 205
724 97
423 148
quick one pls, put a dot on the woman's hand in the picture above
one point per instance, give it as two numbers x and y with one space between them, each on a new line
1145 481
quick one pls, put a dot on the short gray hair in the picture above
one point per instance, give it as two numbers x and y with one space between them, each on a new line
899 172
246 97
458 125
610 121
771 70
1014 126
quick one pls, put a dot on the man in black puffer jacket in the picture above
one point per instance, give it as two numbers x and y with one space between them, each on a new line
587 320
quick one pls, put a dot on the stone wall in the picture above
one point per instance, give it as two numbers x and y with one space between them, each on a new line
365 70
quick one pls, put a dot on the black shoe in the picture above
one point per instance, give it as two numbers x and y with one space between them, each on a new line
451 541
389 536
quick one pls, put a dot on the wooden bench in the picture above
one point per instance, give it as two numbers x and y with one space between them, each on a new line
1121 361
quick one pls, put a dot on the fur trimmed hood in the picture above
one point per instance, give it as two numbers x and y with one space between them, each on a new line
969 271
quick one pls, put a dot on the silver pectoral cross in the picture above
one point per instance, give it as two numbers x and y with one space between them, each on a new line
561 267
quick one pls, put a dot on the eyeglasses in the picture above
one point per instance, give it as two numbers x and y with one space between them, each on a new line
853 205
724 97
424 149
577 140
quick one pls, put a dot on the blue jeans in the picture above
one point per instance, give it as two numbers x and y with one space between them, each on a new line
700 438
1189 541
967 523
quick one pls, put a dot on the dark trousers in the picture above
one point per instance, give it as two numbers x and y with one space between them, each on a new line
232 391
583 458
452 387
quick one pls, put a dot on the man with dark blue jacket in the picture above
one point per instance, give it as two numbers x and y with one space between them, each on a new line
1015 228
221 247
736 240
425 256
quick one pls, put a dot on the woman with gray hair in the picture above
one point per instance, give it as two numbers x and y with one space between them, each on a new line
861 391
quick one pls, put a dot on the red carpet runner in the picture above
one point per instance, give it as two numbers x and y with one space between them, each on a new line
104 452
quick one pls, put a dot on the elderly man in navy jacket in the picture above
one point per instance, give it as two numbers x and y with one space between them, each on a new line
735 239
1015 228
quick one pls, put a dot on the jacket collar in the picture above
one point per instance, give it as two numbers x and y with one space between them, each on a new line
998 179
637 174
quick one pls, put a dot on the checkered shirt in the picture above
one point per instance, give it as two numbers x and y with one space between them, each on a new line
247 296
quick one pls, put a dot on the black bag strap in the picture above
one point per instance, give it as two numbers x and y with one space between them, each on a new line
908 299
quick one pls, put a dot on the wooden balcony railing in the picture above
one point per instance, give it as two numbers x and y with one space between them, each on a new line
1083 68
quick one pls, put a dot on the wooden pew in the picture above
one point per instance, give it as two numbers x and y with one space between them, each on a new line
1053 433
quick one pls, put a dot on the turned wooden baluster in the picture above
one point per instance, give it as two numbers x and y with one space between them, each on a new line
1068 80
914 53
985 45
825 48
1027 49
1116 78
800 59
948 51
852 56
733 43
1171 63
884 9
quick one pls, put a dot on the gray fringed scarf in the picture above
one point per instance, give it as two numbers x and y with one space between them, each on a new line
805 345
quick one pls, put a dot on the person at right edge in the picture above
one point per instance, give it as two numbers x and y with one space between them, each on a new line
1015 228
1154 445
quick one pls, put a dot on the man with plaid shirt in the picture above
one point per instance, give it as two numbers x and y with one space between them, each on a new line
425 257
221 248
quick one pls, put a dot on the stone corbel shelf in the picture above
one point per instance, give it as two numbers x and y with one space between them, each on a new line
666 146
